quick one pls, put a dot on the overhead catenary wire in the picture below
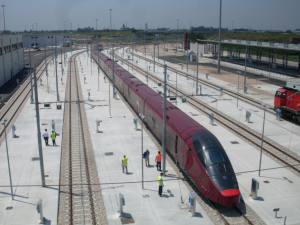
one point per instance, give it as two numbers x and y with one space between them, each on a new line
150 181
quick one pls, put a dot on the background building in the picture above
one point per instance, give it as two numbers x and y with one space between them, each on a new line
40 40
11 57
86 29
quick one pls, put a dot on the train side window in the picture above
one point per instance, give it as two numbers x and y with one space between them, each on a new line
176 143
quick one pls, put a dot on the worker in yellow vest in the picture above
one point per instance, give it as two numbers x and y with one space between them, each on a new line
53 137
125 163
158 161
160 184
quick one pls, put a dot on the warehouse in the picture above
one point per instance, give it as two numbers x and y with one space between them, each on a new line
11 57
40 40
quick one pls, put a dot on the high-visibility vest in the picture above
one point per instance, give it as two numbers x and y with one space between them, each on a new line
53 135
125 161
158 157
159 179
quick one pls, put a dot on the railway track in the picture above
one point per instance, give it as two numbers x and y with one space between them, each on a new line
14 106
229 92
280 154
80 201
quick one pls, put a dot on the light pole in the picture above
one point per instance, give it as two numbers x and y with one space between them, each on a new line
232 25
197 68
37 114
238 91
109 95
96 23
110 21
71 27
262 139
245 71
3 16
12 194
142 139
164 121
219 51
178 35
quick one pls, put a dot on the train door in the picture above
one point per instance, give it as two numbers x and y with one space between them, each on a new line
176 148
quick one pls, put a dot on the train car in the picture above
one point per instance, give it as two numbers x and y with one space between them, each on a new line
197 151
287 99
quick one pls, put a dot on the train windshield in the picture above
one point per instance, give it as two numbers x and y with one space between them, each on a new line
278 94
208 149
215 156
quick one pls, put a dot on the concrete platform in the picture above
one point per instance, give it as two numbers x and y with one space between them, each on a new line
279 188
117 135
283 132
25 172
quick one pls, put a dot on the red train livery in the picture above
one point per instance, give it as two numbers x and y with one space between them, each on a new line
197 151
287 99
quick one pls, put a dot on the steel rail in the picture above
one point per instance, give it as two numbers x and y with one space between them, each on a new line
18 100
231 125
231 93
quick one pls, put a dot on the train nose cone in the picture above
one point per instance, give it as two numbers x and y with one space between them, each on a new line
229 197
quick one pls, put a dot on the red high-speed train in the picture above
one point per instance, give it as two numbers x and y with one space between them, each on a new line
197 151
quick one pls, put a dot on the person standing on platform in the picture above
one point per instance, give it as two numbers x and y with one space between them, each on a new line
158 161
125 163
146 156
160 185
46 136
53 137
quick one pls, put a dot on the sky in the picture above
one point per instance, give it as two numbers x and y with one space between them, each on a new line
54 14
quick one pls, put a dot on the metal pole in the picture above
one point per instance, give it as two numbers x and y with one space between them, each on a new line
11 190
165 51
3 16
46 68
61 60
219 55
197 67
31 90
109 97
187 59
176 87
98 63
55 61
91 58
113 73
238 92
39 129
154 58
132 51
52 50
245 71
164 121
158 48
262 141
142 155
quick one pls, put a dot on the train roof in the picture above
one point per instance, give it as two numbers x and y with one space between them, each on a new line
180 121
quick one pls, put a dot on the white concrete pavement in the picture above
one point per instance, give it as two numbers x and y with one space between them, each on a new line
281 189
